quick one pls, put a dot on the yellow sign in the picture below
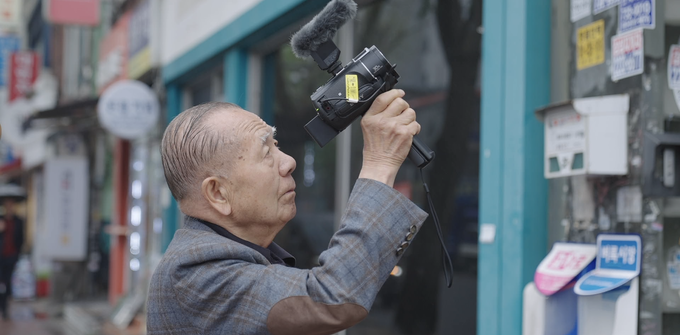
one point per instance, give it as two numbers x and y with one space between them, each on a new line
352 87
590 45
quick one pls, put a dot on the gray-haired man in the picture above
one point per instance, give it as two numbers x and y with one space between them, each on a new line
222 274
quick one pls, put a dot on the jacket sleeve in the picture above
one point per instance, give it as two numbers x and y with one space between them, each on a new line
333 296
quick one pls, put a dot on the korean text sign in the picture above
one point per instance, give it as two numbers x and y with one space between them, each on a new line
23 73
590 45
628 54
674 67
635 14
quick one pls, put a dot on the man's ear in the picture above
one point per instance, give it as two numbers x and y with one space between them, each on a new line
215 190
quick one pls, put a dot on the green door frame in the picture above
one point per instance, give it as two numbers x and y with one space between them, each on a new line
513 191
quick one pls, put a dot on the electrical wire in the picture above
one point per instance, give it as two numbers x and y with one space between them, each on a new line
446 259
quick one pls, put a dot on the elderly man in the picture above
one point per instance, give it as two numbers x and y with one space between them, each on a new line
222 274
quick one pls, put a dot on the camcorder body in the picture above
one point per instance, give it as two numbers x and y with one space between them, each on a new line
350 93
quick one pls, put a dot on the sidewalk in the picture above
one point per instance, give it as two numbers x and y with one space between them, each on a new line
30 317
40 317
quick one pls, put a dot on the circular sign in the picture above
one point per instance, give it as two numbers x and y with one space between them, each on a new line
128 109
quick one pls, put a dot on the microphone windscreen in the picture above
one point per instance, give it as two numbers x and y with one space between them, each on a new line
322 27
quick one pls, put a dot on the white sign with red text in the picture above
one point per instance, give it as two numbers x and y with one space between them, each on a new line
628 55
674 67
564 262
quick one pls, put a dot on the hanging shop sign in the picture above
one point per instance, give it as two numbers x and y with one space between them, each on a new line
77 12
24 68
66 199
129 109
600 6
564 262
10 13
618 262
8 45
113 54
590 45
580 9
634 14
628 55
674 67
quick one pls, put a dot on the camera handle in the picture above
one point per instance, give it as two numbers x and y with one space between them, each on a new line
420 153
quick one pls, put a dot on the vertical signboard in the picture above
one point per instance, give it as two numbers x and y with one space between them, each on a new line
78 12
8 45
23 73
66 203
10 13
139 36
113 52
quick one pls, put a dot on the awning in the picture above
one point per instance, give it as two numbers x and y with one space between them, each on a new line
74 109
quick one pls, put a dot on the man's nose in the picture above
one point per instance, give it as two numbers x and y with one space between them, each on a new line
287 165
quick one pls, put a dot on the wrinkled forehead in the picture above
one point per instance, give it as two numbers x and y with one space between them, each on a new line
253 127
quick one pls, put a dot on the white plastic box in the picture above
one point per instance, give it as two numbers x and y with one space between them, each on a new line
586 136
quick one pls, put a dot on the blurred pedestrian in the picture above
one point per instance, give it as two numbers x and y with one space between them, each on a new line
11 241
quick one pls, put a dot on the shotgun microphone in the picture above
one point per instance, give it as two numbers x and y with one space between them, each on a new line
346 97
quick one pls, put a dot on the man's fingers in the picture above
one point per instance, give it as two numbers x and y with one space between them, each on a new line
407 116
383 101
414 128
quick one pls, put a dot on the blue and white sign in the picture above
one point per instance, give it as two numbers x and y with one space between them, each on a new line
8 44
628 55
634 14
600 6
618 261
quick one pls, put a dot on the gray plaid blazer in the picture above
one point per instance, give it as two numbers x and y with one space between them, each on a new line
208 284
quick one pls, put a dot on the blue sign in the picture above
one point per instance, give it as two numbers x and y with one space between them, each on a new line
618 261
598 284
619 255
634 14
8 45
602 5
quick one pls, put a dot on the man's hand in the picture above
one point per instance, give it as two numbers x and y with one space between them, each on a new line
388 128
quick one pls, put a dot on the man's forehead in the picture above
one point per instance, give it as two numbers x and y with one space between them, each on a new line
254 125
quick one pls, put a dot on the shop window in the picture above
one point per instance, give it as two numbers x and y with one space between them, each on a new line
436 46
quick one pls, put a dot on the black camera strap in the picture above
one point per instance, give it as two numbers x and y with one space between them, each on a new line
447 265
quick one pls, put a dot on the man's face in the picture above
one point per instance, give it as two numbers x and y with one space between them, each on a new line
261 187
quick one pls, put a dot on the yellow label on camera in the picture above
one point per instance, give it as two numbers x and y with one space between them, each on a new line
352 88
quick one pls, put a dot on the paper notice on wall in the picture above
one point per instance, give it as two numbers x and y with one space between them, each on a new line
674 67
580 9
590 45
634 14
602 5
629 204
628 55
